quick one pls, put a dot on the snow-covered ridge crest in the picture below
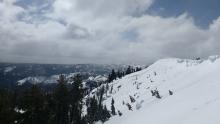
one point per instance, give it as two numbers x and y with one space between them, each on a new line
188 62
195 100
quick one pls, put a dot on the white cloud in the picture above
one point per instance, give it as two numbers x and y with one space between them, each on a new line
99 31
8 11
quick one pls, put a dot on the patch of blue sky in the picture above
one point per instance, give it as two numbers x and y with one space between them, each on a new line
203 11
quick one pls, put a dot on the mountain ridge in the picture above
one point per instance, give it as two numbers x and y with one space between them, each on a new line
195 99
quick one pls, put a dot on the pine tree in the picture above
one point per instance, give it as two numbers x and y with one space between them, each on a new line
111 90
7 113
106 89
51 107
114 76
129 70
92 110
113 107
33 103
109 78
77 94
100 96
105 115
61 98
95 109
138 69
119 74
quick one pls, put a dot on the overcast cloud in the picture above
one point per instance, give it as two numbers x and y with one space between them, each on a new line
99 31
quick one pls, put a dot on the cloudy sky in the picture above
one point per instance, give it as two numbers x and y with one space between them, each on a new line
107 31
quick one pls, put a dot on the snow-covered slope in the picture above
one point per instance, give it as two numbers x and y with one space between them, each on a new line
9 69
195 100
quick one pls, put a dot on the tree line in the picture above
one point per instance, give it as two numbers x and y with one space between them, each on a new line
119 74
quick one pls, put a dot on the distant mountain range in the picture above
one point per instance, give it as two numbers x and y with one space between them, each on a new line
18 74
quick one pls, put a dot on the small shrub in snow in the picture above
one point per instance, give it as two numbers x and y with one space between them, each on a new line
132 99
157 94
135 94
170 92
119 87
123 102
129 106
119 113
152 92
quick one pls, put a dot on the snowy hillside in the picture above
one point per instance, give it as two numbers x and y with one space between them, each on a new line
196 93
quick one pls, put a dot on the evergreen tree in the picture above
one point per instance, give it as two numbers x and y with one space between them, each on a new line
111 90
109 78
61 98
114 76
95 109
105 115
113 107
33 103
7 113
119 74
123 74
77 94
138 69
92 110
51 108
129 70
106 89
100 96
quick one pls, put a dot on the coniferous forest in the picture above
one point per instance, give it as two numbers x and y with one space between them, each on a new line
62 105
